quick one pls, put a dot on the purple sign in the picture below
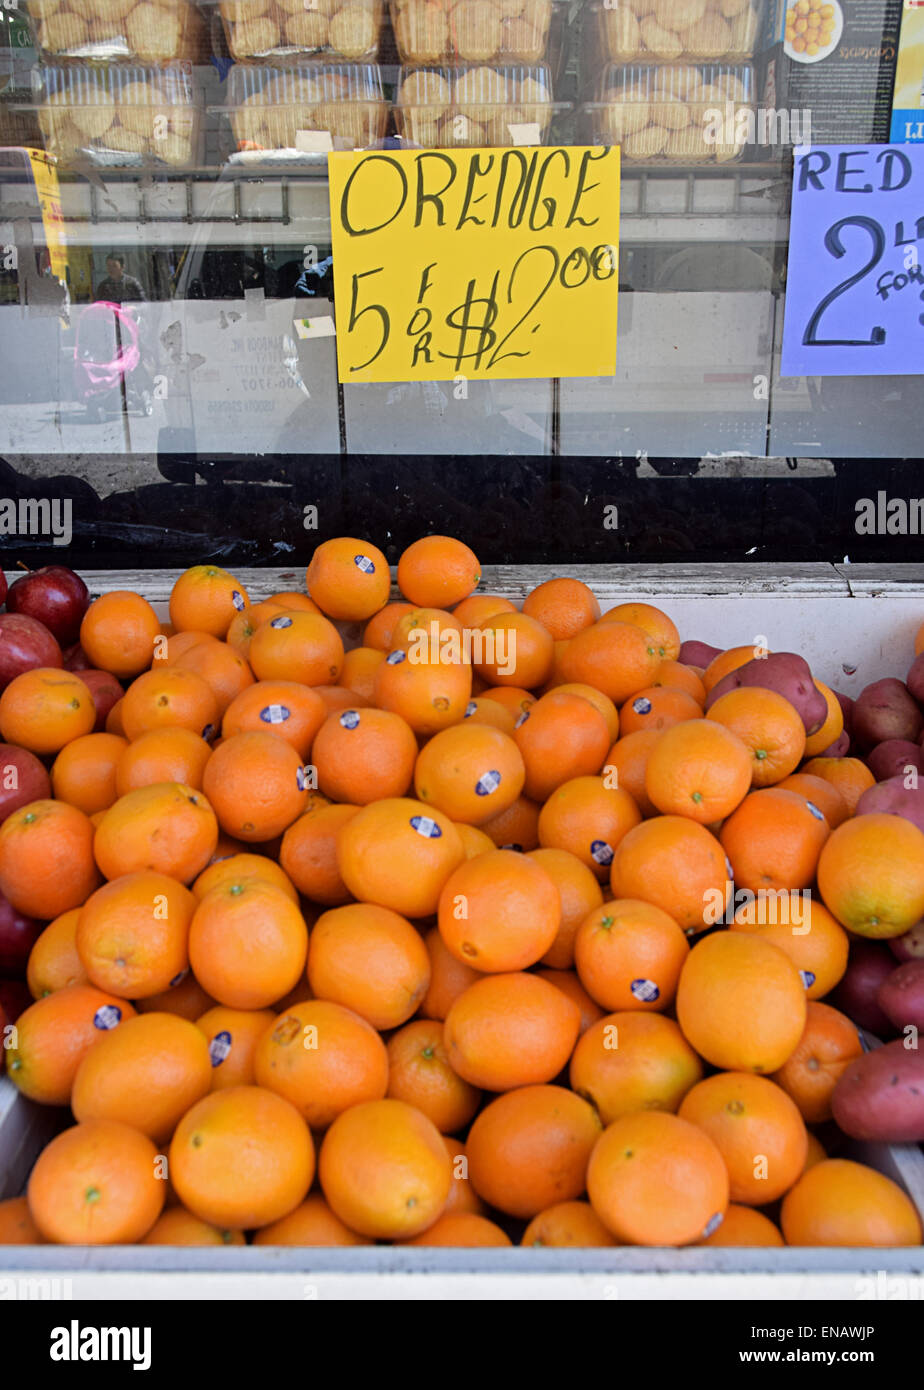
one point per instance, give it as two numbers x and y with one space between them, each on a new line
855 284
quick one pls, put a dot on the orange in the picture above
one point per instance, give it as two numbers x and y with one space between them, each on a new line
657 707
348 579
132 934
448 977
364 755
654 1179
674 863
614 657
564 606
239 867
820 793
256 784
462 1196
681 677
168 648
53 960
850 776
46 708
335 698
385 1170
569 984
506 1031
499 911
578 893
831 729
166 827
461 1229
774 840
698 769
242 1157
205 598
146 1073
805 931
626 767
743 1226
870 874
830 1041
114 720
186 998
96 1184
528 1149
53 1035
842 1203
232 1036
84 772
379 630
311 1223
816 1152
515 828
296 646
243 626
429 634
513 698
569 1224
657 624
163 755
399 853
169 698
726 662
179 1227
480 711
16 1224
627 1062
438 571
322 1058
308 854
757 1130
515 650
220 667
729 977
471 772
628 955
598 700
293 599
359 668
560 737
474 841
118 632
46 859
429 695
474 609
768 725
247 944
589 818
420 1073
370 960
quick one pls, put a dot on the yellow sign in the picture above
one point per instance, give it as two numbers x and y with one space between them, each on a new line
44 173
485 264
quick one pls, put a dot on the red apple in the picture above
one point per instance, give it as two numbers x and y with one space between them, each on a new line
869 964
25 643
76 659
15 998
106 692
22 779
18 934
909 946
56 596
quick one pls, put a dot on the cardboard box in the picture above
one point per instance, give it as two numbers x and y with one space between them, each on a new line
908 100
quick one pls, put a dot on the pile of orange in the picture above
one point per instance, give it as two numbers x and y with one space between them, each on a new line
434 938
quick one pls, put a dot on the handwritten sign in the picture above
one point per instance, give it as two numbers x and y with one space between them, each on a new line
486 264
855 286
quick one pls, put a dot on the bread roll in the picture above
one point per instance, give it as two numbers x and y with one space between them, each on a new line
307 30
253 37
626 118
428 89
672 115
153 33
458 130
420 126
353 31
658 41
710 38
421 32
532 90
522 40
92 122
679 14
479 85
121 138
475 30
647 143
623 35
241 11
62 32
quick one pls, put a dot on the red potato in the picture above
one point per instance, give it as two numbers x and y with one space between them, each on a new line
695 653
886 710
880 1096
838 749
901 996
846 703
910 946
22 779
869 965
106 692
25 644
892 758
895 799
786 673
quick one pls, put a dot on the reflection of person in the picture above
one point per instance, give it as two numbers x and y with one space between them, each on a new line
317 281
117 287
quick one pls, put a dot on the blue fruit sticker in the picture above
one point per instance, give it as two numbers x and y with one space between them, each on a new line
712 1225
303 777
641 705
238 600
426 827
470 709
275 714
349 719
646 991
178 979
107 1016
395 658
807 977
487 783
219 1048
601 852
362 562
522 719
208 732
281 621
819 815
